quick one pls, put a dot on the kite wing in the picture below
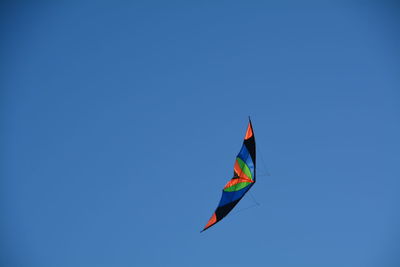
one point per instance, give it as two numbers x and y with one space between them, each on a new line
244 177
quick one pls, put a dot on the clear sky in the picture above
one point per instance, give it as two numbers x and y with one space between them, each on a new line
120 124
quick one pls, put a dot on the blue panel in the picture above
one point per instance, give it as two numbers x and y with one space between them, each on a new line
245 156
228 197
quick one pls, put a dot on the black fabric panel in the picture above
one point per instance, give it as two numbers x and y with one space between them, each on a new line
251 147
221 212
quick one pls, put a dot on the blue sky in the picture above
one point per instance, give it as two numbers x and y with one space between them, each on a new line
120 124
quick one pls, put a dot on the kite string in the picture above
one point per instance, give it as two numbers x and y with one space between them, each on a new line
267 173
254 199
243 209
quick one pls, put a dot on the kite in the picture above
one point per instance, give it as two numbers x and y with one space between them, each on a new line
244 177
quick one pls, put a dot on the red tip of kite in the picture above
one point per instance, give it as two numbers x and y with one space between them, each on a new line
249 132
212 220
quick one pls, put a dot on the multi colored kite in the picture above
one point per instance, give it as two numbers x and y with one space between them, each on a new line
244 177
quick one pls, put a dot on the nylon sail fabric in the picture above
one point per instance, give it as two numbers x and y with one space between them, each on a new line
244 177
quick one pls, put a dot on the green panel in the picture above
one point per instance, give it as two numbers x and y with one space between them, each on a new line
236 187
244 168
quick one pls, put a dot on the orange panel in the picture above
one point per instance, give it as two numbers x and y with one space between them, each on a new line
249 132
239 171
236 181
212 220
